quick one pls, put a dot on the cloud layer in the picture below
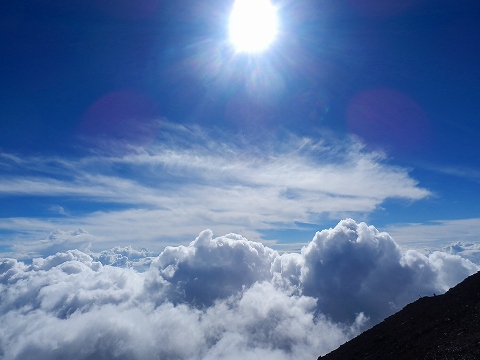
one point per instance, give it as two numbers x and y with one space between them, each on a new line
224 297
190 180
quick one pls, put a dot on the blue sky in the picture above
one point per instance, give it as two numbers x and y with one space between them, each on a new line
166 196
140 124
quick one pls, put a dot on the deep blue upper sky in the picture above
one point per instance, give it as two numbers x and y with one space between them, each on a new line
87 86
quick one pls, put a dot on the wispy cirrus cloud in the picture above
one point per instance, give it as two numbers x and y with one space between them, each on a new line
467 173
191 180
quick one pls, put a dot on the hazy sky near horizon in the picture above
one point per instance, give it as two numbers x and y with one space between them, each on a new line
165 196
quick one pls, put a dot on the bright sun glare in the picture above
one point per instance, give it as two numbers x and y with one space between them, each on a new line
253 25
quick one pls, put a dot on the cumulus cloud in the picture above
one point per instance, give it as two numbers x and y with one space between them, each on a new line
467 250
125 257
219 297
191 180
209 269
57 241
69 304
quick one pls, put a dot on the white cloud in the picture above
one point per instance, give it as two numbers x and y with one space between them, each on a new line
125 257
467 250
57 241
224 297
209 269
364 270
58 209
436 234
191 180
68 304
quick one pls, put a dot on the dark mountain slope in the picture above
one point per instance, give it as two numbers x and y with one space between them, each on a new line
439 327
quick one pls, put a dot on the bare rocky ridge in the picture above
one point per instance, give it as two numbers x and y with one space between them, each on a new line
438 327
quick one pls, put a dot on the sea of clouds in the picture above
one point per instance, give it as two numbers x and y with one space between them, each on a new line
217 298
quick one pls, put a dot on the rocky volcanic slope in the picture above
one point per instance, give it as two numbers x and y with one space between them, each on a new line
439 327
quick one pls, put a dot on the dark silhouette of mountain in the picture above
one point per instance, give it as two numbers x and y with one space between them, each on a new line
438 327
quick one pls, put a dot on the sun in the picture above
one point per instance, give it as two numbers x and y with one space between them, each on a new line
253 25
